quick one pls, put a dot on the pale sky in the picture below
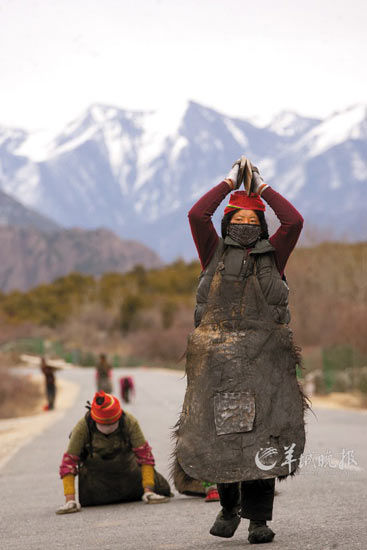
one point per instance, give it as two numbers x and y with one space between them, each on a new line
242 57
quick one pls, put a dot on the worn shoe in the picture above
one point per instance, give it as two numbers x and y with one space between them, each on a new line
153 498
212 495
225 524
69 507
259 532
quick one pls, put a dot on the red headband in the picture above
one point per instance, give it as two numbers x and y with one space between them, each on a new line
242 201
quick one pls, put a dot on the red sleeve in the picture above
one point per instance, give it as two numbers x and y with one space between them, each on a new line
291 222
200 218
144 454
69 465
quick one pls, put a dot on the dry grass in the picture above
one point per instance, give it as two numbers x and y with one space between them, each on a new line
20 395
158 345
329 295
340 400
96 330
12 331
162 344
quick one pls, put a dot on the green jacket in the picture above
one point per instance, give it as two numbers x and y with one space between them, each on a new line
79 436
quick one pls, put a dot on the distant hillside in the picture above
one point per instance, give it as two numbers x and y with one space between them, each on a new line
153 308
12 212
30 257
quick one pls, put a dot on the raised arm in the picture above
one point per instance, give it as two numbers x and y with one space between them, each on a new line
200 215
200 218
291 222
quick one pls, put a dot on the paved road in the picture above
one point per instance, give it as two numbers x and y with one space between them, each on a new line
324 508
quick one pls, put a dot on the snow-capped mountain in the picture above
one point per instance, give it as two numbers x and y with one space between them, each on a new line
288 123
138 173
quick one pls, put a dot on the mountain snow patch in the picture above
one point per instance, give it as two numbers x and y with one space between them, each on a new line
238 135
348 124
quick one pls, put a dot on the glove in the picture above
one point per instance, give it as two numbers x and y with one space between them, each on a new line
69 507
153 498
233 174
257 183
241 171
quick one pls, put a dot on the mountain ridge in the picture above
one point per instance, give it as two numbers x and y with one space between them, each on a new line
31 257
14 213
138 172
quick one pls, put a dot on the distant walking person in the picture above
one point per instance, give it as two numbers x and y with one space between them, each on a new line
127 388
50 382
112 458
104 374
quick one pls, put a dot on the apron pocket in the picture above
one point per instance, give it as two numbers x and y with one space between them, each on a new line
234 412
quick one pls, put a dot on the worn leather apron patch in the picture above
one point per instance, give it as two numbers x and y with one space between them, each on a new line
234 412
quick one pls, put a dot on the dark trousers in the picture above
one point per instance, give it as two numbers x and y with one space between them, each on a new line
255 498
51 394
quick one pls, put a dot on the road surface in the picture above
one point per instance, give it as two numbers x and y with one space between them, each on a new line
323 508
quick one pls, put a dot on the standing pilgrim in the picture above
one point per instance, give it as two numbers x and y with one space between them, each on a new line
242 420
50 383
104 374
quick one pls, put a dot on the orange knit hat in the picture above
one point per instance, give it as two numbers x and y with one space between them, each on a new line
106 408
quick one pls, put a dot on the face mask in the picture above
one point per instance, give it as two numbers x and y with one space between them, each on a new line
245 234
107 429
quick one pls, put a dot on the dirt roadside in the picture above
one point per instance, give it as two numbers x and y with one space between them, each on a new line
17 432
339 400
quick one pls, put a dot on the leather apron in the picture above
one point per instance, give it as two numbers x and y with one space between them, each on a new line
242 417
109 473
